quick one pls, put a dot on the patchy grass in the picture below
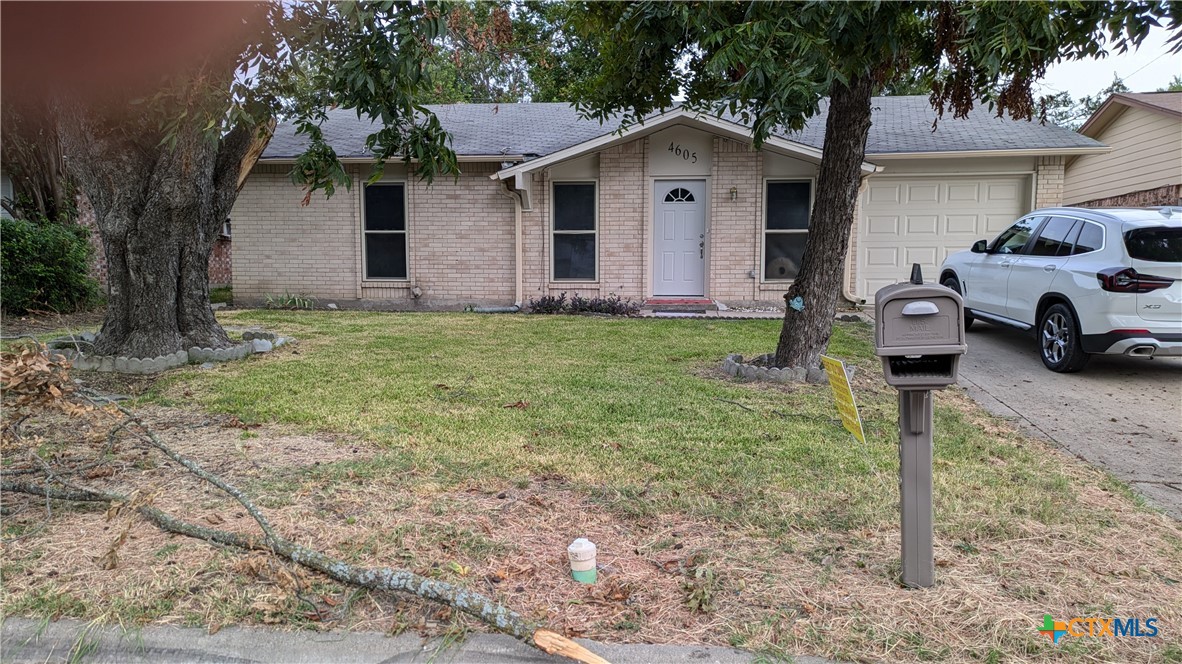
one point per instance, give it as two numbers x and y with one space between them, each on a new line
386 439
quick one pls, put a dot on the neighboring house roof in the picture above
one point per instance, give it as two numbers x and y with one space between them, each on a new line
1165 103
900 126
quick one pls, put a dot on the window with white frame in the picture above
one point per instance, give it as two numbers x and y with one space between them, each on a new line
575 217
384 233
786 228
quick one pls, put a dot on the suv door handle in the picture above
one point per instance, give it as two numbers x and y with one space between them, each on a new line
1048 268
1006 263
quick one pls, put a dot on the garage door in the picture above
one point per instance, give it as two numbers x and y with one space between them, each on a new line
922 220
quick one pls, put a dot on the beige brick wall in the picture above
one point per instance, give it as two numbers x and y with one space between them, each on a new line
283 247
1048 182
736 226
460 237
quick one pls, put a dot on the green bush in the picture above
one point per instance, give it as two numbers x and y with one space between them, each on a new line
45 265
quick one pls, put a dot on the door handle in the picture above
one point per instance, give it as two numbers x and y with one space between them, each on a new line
1048 268
702 250
1006 263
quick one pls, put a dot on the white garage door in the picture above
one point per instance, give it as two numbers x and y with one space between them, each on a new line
923 219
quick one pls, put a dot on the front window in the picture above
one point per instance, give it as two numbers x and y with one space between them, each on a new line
786 229
1015 237
574 231
385 231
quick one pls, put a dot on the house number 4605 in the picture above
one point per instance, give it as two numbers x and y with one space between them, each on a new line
684 153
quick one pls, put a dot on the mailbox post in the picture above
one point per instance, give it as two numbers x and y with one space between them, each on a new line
919 334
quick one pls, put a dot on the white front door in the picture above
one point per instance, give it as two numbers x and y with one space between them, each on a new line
679 240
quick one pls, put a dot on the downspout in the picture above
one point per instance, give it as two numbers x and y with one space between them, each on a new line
849 264
518 250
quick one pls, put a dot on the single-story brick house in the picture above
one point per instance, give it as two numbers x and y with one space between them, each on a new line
1144 130
679 207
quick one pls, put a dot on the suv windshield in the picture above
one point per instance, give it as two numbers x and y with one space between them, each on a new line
1160 245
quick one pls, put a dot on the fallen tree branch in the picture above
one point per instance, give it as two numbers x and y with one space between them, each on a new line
474 604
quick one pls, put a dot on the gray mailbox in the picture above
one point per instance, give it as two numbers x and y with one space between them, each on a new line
919 334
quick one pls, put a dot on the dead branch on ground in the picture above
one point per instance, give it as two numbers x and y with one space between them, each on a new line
38 379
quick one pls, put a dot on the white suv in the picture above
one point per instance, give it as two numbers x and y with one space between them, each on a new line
1086 280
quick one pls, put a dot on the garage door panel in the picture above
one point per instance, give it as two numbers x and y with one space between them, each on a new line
922 220
881 256
882 225
996 223
1002 192
964 192
883 193
965 224
925 193
922 224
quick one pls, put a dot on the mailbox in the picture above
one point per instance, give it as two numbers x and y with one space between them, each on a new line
919 335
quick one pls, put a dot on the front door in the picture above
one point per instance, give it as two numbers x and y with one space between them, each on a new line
679 240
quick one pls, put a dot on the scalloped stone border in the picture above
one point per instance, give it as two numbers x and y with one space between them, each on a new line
151 365
756 369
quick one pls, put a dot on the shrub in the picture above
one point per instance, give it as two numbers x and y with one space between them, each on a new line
223 295
290 301
45 265
612 305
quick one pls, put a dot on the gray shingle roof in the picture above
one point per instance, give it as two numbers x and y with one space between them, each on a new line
899 124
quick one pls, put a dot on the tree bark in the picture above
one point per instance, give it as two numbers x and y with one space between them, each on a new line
807 326
159 207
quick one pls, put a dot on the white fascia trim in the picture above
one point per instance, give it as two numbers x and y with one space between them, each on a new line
1029 152
680 115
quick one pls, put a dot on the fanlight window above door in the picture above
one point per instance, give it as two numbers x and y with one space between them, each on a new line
679 195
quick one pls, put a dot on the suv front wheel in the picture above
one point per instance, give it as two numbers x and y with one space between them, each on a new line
1058 340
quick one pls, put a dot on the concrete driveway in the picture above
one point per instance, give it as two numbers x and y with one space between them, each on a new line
1121 414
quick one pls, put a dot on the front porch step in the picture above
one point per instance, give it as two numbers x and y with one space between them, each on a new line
679 305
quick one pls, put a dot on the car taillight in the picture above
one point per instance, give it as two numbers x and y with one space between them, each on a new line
1127 280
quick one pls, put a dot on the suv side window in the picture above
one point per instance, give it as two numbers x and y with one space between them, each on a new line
1091 238
1015 237
1054 238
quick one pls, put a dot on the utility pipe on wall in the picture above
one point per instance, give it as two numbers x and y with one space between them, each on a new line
518 250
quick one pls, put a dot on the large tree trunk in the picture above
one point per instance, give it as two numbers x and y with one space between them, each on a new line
805 334
159 207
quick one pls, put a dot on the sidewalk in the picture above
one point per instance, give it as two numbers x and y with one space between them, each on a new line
25 640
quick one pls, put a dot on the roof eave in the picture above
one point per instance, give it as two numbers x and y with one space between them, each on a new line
675 116
1020 152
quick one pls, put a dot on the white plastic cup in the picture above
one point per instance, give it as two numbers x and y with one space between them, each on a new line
581 553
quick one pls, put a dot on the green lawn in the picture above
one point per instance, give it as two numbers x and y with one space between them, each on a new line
614 405
732 512
622 408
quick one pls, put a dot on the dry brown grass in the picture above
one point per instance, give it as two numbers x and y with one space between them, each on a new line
829 593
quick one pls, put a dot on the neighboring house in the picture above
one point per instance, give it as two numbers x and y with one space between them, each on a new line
1145 164
680 207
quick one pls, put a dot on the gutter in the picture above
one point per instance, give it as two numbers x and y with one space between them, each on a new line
518 251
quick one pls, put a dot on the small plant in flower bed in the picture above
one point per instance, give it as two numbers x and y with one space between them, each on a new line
612 305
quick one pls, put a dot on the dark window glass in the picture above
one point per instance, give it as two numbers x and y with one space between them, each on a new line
385 255
787 205
679 195
1014 238
574 206
384 208
1160 245
1053 239
783 253
574 256
1091 238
